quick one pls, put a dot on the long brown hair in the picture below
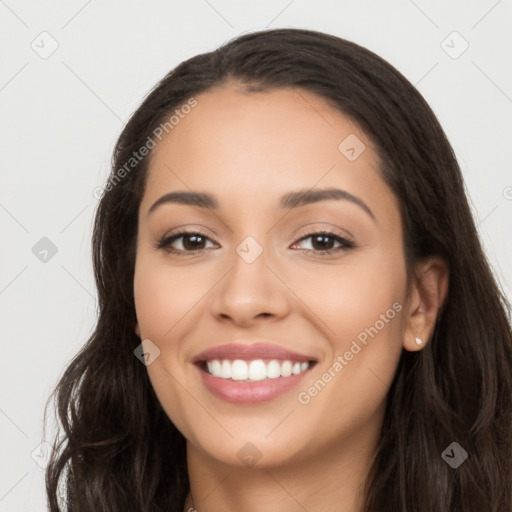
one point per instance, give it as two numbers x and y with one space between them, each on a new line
119 451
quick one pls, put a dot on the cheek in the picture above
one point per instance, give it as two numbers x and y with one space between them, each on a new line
352 296
363 308
351 387
163 296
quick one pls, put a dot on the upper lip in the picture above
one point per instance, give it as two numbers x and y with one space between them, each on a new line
245 352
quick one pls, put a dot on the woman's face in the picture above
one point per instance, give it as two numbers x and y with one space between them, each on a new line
255 268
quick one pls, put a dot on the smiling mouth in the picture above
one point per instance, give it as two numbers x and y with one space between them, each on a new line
254 370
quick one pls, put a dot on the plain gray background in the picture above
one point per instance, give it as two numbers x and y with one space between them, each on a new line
73 72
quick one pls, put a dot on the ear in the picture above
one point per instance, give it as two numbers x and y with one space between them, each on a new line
427 294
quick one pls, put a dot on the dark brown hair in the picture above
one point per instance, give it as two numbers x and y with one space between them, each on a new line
119 451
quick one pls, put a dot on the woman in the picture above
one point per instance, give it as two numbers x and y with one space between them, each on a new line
295 309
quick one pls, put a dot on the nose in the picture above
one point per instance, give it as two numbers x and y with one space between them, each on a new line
251 291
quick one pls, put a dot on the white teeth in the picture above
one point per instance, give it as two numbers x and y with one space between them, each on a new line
239 370
257 370
273 369
215 367
225 370
254 370
286 369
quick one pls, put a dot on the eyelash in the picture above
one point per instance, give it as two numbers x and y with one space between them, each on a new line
165 242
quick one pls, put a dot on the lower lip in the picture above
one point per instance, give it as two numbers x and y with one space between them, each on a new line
239 392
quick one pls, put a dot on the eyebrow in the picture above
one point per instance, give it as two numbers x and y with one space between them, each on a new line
290 200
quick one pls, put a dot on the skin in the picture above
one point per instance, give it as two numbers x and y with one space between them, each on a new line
248 149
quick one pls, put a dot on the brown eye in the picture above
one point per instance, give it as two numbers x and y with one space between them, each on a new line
191 242
322 242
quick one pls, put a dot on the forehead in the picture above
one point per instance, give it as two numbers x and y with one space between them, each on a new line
262 144
236 123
